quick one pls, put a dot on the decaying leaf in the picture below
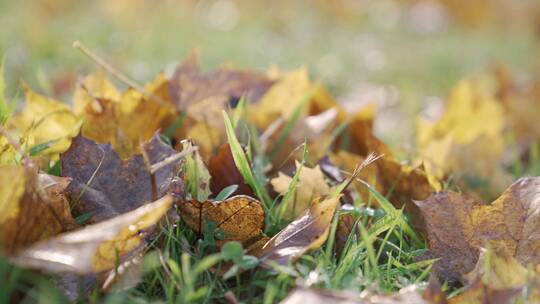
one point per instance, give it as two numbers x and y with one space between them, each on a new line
46 121
99 247
458 227
311 185
32 207
224 173
103 185
240 217
306 233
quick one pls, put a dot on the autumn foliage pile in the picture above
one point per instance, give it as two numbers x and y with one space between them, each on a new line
269 163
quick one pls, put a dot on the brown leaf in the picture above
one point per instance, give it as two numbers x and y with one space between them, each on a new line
105 185
240 217
458 227
189 85
32 207
306 233
224 173
99 247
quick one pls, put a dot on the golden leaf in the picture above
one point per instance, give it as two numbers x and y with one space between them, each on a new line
46 120
311 185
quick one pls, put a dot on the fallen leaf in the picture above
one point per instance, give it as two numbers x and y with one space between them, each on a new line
122 119
467 140
46 121
311 185
99 247
499 278
32 207
204 95
307 232
240 217
458 227
224 173
281 100
103 185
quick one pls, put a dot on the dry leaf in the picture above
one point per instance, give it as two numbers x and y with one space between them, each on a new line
240 217
467 140
282 99
99 247
311 185
46 121
189 86
306 233
458 227
125 119
224 173
499 278
104 185
32 207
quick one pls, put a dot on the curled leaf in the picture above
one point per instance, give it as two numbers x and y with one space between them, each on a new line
306 233
98 247
32 207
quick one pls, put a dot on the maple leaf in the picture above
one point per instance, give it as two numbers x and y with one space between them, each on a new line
458 227
311 185
99 247
290 90
122 119
240 217
32 207
103 185
224 173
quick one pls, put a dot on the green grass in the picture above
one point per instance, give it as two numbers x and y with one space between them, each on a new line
181 268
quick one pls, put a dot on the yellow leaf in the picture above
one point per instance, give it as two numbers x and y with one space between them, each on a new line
311 185
124 120
282 99
47 120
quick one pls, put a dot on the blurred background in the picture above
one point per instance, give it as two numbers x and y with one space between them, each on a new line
400 54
